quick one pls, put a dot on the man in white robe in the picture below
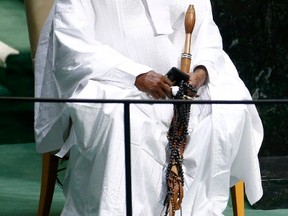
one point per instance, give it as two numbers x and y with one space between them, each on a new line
115 49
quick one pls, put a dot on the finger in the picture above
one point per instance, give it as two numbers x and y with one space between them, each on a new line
159 93
168 91
191 93
167 81
154 94
162 94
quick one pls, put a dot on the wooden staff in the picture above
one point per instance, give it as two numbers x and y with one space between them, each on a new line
175 180
186 57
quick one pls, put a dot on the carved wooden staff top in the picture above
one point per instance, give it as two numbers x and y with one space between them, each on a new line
189 26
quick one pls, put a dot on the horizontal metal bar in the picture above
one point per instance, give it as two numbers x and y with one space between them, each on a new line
131 101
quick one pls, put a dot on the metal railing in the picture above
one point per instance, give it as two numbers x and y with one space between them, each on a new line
126 104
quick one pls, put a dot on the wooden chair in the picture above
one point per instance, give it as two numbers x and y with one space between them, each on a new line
36 13
237 197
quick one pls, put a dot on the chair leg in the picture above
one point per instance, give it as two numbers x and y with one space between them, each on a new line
237 196
49 174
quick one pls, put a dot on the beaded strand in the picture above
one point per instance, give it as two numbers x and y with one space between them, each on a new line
177 138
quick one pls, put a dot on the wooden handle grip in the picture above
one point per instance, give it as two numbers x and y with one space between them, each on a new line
185 64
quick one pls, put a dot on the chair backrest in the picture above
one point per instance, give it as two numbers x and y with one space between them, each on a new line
36 14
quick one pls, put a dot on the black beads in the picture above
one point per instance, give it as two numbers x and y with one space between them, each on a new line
184 88
177 138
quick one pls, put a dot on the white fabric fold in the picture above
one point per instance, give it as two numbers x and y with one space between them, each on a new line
160 15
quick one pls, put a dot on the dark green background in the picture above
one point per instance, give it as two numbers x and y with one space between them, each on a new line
255 37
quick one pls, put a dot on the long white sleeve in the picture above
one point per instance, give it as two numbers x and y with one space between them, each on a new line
78 56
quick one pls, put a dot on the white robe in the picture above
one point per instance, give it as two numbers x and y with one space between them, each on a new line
95 49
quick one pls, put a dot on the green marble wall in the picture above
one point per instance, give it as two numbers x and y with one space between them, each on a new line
255 37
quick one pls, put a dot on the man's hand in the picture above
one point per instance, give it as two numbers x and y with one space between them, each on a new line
154 84
198 78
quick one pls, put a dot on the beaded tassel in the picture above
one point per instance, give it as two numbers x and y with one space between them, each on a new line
177 137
